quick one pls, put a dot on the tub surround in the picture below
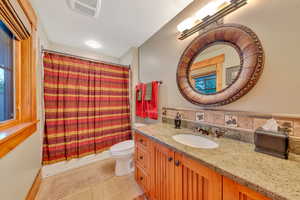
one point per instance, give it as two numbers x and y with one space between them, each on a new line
61 167
272 177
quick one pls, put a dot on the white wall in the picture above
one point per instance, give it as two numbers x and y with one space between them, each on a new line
276 24
82 53
19 167
131 57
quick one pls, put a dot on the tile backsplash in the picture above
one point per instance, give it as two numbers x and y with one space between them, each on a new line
241 125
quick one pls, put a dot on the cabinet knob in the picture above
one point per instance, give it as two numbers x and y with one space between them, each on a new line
170 159
141 157
141 178
141 140
177 162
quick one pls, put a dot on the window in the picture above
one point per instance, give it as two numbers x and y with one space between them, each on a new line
206 84
18 47
6 73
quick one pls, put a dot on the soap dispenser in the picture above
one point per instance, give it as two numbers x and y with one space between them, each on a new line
178 119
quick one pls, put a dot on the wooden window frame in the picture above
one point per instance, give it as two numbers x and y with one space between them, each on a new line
214 61
13 132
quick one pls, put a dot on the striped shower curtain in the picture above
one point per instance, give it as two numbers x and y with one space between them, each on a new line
86 107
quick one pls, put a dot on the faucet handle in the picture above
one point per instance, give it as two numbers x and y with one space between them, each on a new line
196 129
201 130
219 133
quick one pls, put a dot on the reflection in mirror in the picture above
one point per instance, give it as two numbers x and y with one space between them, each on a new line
215 68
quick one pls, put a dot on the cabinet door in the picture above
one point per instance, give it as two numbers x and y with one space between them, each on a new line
235 191
194 181
162 175
142 179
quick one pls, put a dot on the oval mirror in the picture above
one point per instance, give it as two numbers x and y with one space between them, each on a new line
220 65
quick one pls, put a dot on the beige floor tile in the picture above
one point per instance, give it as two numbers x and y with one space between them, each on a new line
97 191
92 182
132 191
113 196
44 191
112 188
83 195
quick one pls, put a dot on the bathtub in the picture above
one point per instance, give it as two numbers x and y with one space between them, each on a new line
54 169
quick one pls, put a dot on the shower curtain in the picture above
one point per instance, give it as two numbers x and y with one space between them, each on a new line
86 107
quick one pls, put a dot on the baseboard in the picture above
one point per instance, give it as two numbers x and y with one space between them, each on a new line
141 197
35 187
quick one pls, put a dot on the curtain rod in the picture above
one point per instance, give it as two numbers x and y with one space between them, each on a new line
83 58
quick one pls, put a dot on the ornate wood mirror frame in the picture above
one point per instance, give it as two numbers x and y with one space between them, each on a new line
251 53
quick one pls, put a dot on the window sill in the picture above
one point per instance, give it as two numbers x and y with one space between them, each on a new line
10 138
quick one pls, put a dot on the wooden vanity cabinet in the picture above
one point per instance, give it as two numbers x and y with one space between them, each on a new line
194 181
172 176
235 191
168 175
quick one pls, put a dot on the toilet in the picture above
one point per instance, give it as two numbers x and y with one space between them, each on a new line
123 154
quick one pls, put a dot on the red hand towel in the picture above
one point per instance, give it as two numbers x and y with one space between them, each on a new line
152 105
140 105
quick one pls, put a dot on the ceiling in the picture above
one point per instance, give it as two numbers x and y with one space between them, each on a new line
121 24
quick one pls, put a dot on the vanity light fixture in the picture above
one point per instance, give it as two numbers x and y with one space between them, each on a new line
93 44
208 10
210 13
186 24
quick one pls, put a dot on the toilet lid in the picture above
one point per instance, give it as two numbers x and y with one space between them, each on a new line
123 146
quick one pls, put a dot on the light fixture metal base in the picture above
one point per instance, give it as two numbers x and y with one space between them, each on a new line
217 17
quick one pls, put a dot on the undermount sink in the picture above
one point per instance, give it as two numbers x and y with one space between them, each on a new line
195 141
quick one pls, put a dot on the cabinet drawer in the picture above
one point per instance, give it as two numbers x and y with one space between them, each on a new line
142 179
141 141
142 158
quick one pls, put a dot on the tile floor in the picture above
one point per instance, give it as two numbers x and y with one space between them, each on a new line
92 182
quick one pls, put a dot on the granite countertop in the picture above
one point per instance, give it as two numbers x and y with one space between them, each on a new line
273 177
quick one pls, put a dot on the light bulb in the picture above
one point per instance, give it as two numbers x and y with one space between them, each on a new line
93 44
186 24
222 2
208 10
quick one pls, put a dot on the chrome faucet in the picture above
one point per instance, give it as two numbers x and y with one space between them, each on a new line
209 131
201 130
219 133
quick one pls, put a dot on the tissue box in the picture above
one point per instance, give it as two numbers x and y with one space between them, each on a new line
272 143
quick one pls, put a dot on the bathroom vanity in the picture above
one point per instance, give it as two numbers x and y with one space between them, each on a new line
168 170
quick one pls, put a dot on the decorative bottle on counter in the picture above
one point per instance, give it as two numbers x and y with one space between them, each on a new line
178 120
